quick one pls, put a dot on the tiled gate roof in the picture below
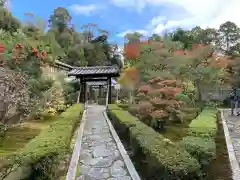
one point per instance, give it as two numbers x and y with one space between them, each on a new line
95 71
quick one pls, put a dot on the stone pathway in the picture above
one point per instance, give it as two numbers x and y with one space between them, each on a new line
233 123
100 158
232 134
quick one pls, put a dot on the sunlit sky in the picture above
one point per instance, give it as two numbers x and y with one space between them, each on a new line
146 16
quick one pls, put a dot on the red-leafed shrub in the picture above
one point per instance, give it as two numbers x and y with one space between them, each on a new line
145 89
157 102
131 50
2 48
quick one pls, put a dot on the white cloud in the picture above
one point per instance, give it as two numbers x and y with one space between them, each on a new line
138 5
205 13
84 9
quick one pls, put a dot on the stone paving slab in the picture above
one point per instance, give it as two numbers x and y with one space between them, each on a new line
100 158
231 125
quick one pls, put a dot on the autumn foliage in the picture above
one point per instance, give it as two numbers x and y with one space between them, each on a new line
129 76
156 101
19 52
133 51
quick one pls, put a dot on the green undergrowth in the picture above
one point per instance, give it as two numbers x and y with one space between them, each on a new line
162 157
17 137
44 152
177 131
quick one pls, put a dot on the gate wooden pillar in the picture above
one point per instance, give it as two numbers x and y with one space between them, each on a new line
83 90
109 90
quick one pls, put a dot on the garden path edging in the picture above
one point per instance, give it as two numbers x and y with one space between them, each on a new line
231 153
131 169
71 174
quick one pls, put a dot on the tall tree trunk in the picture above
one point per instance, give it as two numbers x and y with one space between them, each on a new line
199 93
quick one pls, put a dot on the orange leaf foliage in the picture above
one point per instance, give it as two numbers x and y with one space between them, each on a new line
35 50
169 82
220 62
159 114
2 48
131 75
131 50
44 54
145 89
145 107
170 91
155 80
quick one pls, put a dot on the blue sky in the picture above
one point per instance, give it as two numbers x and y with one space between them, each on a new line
145 16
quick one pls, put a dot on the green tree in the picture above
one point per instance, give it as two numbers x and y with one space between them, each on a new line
2 3
194 67
203 36
184 37
133 37
7 21
228 37
60 18
155 37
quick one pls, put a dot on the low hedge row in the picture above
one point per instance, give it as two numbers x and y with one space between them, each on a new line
203 149
43 152
200 142
205 125
161 155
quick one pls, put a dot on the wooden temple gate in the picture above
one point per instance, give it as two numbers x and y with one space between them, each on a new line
98 75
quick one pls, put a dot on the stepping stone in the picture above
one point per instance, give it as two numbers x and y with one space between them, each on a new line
84 169
101 151
90 161
104 163
94 137
117 169
98 174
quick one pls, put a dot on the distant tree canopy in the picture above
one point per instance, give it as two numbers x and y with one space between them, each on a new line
224 43
27 47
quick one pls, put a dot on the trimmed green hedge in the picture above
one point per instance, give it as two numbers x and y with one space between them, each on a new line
205 125
43 152
201 140
203 149
55 138
123 106
113 107
160 154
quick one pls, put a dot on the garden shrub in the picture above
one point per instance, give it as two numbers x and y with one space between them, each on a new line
190 110
114 106
44 152
123 106
189 117
162 156
205 124
183 97
203 149
201 140
158 104
190 113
